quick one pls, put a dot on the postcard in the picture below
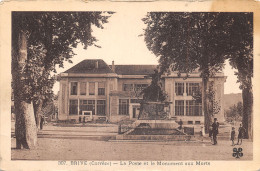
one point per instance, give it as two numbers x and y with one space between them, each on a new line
129 85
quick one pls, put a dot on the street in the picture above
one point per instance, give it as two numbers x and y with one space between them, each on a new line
97 142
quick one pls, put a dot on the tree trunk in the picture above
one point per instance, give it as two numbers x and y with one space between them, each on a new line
25 127
205 104
247 120
37 112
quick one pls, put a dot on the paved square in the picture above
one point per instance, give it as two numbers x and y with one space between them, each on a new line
92 142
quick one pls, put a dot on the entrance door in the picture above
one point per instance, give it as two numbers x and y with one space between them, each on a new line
135 111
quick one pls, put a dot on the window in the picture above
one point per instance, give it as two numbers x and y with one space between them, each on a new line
190 122
101 88
73 110
87 105
140 87
74 88
134 87
192 88
179 89
83 88
193 108
101 107
197 122
123 107
136 100
127 87
179 107
91 88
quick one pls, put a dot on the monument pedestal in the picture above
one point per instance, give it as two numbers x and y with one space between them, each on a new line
157 124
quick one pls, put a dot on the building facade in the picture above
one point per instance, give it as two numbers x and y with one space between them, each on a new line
93 90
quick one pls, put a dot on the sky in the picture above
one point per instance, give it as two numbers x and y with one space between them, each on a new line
120 41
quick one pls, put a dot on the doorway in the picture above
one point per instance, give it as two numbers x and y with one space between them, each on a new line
136 110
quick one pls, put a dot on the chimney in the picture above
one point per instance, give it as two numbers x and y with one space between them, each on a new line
96 65
113 66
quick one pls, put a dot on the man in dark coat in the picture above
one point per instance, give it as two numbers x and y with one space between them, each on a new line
180 123
215 126
241 133
41 122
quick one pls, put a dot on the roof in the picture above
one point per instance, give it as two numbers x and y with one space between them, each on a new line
89 66
135 69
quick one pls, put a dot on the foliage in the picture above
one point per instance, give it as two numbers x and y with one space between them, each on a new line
234 112
39 79
240 49
211 94
240 53
40 41
213 102
51 37
187 41
197 95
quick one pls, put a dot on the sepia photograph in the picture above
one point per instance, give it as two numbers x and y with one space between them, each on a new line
108 108
123 88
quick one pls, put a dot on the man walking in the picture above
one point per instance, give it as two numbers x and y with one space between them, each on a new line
215 126
41 122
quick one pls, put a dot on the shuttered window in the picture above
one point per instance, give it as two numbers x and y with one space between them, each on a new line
73 88
101 88
179 89
92 88
179 107
83 88
123 107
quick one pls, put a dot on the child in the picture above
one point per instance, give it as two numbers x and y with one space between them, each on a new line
233 135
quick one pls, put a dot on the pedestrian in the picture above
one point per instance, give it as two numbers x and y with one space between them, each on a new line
215 126
41 122
180 123
241 133
210 134
80 119
119 129
233 136
84 119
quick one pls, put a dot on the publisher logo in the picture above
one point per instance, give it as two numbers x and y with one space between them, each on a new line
237 152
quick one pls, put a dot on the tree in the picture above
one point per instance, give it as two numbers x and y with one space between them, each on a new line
40 41
40 82
240 54
234 112
188 41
